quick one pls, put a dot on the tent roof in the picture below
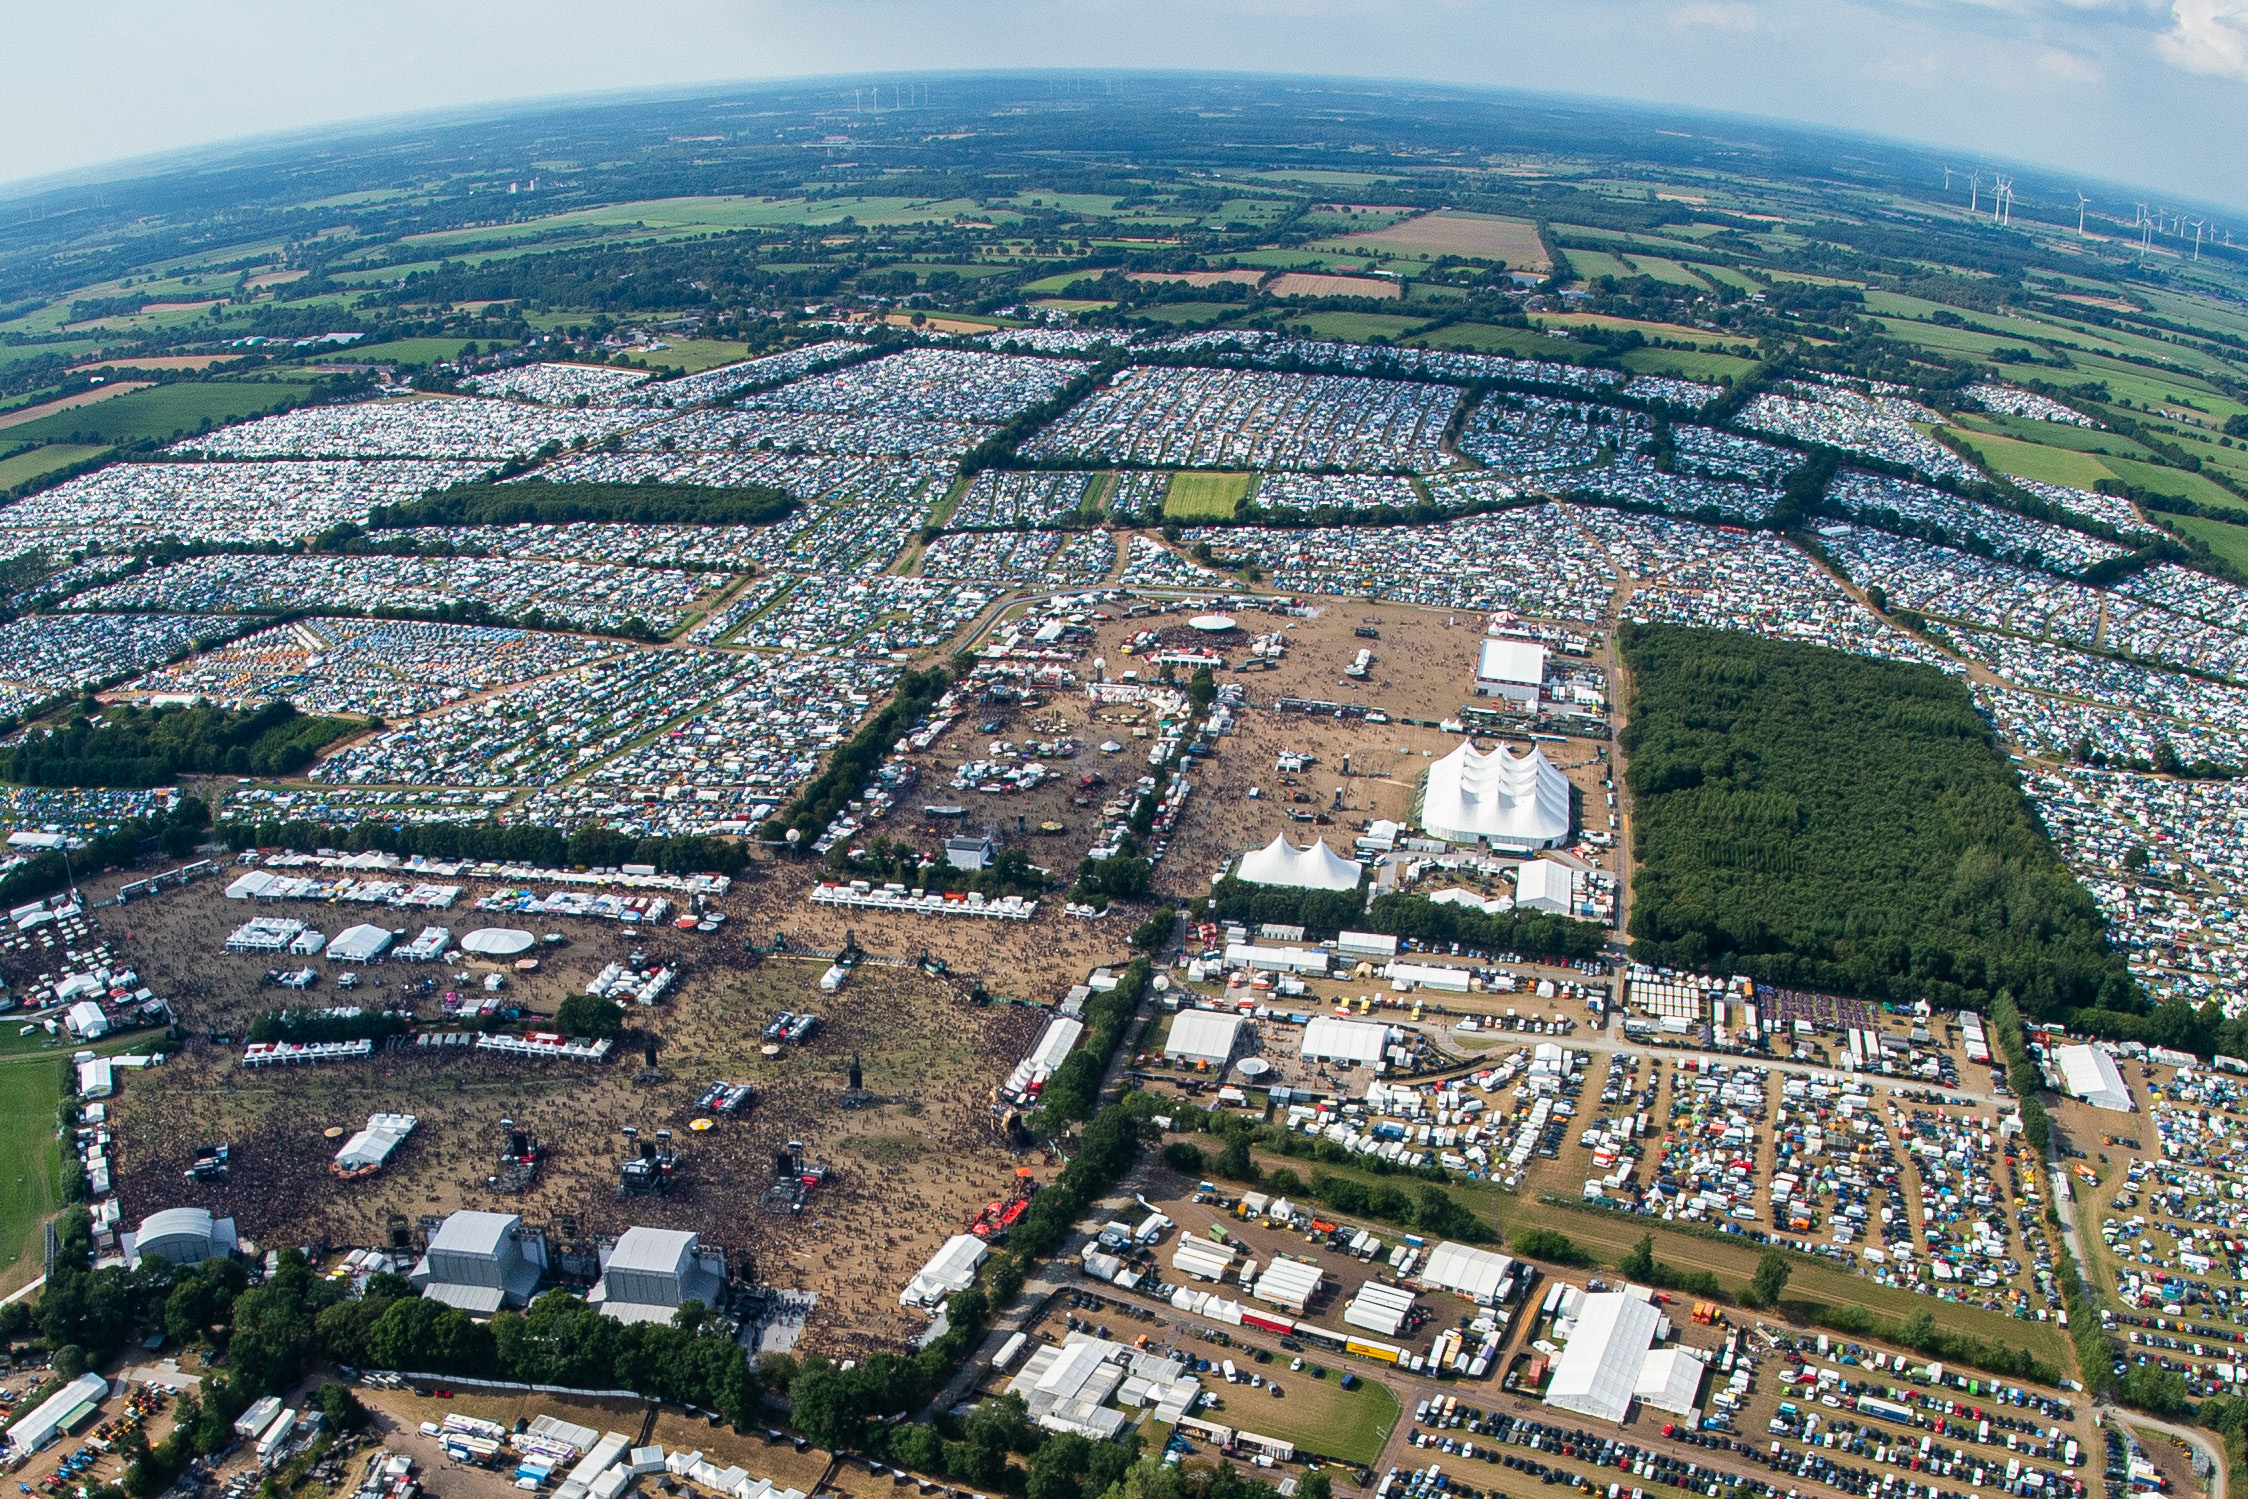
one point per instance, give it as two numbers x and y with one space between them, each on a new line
1203 1033
1344 1040
1501 797
1599 1370
1315 868
2092 1075
1470 1271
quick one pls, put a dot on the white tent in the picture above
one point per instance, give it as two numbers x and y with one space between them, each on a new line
1501 799
1327 1039
1315 868
1474 1273
496 942
1598 1373
1542 885
1669 1379
2091 1074
1204 1036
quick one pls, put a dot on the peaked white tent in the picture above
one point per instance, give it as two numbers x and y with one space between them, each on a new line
1598 1372
1502 799
1315 868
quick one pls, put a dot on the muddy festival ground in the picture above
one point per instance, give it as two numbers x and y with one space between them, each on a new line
911 1165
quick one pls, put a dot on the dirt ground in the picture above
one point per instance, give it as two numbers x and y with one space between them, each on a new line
911 1167
399 1414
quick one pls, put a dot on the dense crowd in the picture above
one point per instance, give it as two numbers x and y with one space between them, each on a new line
559 384
1754 582
1022 557
2002 533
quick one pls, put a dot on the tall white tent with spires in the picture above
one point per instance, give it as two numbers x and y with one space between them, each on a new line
1502 799
1315 868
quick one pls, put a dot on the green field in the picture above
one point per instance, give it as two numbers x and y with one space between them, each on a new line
1687 364
1358 327
674 217
401 351
30 1156
1318 1415
1667 270
2029 460
1486 338
1591 264
22 468
161 412
694 355
2226 540
2156 479
1198 496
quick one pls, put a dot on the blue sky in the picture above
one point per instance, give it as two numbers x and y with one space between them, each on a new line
2150 93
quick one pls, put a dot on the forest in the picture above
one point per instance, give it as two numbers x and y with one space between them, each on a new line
1830 821
536 502
129 746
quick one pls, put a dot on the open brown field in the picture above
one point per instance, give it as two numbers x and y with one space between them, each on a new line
1478 236
1312 284
910 1167
1199 278
69 403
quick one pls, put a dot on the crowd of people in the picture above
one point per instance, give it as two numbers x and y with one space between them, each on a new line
2002 533
1060 557
405 427
1878 425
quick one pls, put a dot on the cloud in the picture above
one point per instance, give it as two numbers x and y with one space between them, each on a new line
2208 36
1718 15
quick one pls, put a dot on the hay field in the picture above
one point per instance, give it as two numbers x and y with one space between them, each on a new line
1314 284
22 468
1476 236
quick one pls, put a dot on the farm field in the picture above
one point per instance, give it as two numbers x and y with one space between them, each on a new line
1687 364
22 468
161 412
1358 327
1483 338
2227 539
1469 235
2028 460
31 1089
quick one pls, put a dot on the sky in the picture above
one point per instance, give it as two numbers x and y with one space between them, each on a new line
2145 93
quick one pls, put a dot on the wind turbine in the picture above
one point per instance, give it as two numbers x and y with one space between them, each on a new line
2001 199
2081 201
1974 192
2197 223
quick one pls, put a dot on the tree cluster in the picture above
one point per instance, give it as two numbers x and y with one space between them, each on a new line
130 746
1825 820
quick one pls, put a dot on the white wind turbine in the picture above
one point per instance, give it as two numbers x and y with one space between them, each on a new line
2081 203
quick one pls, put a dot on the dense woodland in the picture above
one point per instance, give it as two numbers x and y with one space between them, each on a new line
536 502
127 746
1832 821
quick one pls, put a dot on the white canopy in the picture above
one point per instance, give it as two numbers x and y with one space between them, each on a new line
2091 1074
1598 1373
1204 1036
496 942
1315 868
1500 798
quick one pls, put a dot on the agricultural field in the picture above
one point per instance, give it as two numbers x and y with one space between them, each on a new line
33 463
160 412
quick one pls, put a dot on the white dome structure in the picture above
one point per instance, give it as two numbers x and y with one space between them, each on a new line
1499 799
1315 868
